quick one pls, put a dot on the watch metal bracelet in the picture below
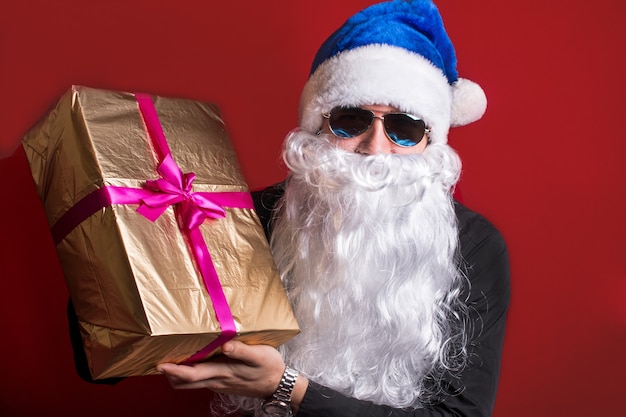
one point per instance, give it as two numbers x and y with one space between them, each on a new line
285 388
280 403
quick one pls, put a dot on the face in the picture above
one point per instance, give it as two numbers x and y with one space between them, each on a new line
374 140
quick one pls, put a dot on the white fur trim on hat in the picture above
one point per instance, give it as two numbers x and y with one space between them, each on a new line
383 75
392 76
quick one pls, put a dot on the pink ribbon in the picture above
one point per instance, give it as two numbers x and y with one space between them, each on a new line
191 208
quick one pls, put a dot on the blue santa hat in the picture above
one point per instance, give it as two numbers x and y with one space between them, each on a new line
397 54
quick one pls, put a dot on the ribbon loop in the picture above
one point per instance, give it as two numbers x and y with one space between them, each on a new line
195 207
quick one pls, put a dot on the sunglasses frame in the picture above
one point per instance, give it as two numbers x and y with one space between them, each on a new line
381 118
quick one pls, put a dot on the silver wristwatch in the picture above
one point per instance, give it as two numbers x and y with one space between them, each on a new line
280 403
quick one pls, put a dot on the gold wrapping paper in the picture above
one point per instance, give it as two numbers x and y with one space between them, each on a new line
138 295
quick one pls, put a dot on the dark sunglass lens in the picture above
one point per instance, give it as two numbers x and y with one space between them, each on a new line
404 130
349 122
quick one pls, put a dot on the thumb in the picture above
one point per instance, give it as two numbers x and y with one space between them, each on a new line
237 350
252 355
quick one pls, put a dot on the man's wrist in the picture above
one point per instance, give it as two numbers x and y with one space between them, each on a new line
280 402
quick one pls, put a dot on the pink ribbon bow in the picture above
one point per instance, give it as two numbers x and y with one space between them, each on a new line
175 188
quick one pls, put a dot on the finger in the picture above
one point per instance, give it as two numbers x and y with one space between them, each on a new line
185 373
250 355
236 350
189 377
166 368
179 384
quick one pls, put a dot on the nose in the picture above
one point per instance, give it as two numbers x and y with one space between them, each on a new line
374 140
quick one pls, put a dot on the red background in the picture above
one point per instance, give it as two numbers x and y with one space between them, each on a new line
545 165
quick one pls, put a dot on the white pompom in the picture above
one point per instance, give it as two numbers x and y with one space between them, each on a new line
468 102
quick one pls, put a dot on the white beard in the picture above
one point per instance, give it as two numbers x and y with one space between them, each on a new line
367 249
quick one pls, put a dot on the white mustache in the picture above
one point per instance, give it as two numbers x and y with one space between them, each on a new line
330 167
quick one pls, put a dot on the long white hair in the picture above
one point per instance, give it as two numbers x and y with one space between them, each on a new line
367 249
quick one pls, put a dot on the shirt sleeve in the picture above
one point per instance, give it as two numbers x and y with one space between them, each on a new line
486 264
266 203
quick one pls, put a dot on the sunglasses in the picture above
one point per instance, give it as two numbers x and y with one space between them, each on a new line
401 128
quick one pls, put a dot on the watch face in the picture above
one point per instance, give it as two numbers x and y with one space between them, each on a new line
277 409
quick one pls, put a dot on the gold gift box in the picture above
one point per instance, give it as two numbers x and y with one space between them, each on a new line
135 285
